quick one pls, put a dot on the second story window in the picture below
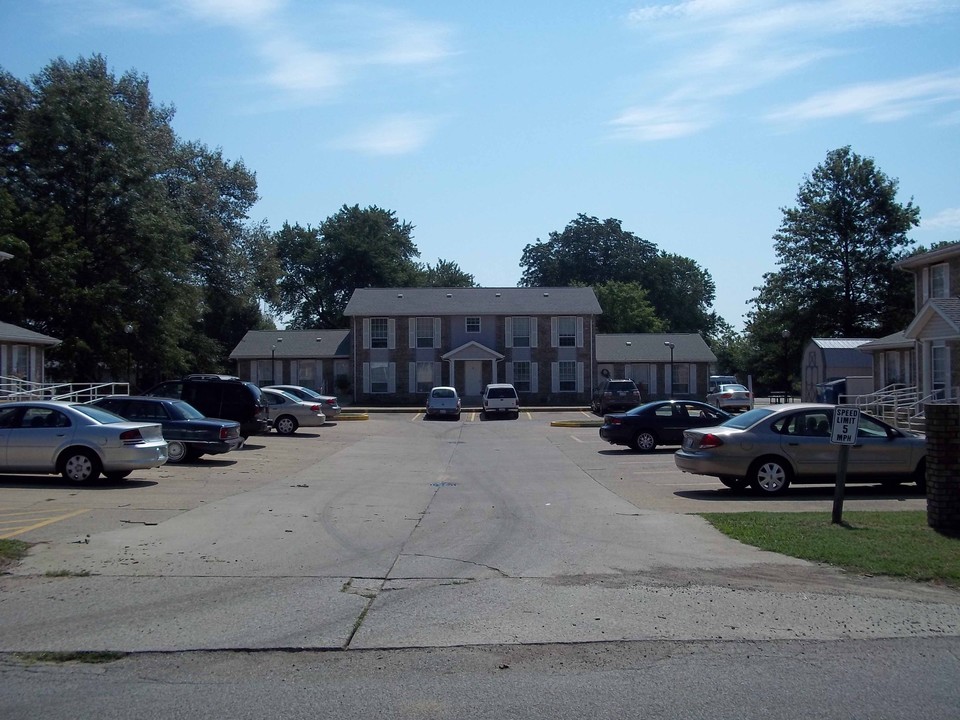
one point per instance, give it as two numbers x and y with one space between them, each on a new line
521 332
939 284
473 324
567 331
425 332
378 332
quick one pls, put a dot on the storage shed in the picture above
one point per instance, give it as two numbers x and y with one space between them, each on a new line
832 359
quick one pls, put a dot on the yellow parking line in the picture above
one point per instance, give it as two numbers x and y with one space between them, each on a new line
36 526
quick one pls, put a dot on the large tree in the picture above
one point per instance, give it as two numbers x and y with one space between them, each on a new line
835 251
593 252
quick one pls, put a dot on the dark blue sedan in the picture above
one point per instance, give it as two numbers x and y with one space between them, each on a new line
188 432
659 423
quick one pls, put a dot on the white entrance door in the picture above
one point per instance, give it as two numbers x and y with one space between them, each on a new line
472 377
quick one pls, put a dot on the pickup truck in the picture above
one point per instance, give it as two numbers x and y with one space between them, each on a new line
500 398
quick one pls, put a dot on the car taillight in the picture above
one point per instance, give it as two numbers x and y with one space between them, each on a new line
710 441
315 408
611 420
131 437
330 401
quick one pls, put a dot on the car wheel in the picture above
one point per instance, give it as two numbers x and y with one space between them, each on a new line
770 475
176 451
117 476
79 466
920 476
286 425
735 483
644 441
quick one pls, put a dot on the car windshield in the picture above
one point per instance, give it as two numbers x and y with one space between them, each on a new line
501 393
102 416
302 392
745 420
185 411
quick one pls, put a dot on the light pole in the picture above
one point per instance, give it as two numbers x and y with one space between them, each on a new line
785 334
671 346
128 330
273 361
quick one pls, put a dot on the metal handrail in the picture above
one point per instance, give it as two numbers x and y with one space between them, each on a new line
899 405
12 389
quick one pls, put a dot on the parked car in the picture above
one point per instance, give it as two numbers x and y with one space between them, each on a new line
188 432
715 381
443 401
77 441
770 448
615 396
328 403
500 398
731 397
658 423
220 396
288 412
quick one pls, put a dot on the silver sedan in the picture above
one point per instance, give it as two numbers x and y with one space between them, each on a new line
288 412
328 403
770 448
731 397
77 441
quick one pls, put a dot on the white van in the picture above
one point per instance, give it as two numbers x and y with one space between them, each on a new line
500 398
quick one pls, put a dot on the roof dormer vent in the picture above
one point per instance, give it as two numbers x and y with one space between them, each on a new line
400 296
449 294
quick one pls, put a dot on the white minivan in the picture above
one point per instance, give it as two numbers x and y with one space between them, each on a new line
500 398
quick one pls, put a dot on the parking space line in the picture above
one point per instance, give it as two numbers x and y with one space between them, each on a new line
20 530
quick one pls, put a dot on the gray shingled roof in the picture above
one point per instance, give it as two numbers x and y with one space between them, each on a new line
915 262
295 344
398 302
894 341
649 347
17 334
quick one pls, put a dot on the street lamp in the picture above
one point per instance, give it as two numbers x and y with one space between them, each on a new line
273 361
128 329
785 334
671 346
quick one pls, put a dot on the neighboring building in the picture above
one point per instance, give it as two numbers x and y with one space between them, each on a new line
831 359
22 354
894 360
318 359
935 329
645 359
407 340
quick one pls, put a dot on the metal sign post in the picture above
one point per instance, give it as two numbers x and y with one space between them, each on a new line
846 423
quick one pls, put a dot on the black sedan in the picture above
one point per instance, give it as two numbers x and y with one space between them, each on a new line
188 432
659 423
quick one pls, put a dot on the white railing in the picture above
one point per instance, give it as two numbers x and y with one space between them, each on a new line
900 406
12 389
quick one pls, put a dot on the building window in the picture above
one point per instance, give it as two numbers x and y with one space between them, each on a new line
939 284
521 332
473 324
893 368
681 379
425 332
567 331
21 362
424 377
568 376
378 333
521 376
378 375
938 368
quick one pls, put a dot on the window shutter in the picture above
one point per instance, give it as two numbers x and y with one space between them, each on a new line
509 370
412 380
411 333
692 388
534 380
533 332
579 334
554 333
366 333
436 333
579 377
391 334
366 377
392 378
555 377
508 332
652 387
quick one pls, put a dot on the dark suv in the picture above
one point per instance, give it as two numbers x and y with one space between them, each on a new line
615 395
220 396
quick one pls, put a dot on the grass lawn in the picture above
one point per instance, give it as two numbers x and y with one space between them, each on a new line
11 551
875 543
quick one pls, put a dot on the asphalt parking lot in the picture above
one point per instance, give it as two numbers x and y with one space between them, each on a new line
46 509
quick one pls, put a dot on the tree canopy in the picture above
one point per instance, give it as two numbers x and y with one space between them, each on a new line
126 240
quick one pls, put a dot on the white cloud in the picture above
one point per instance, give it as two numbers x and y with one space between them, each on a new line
396 135
721 50
948 219
877 102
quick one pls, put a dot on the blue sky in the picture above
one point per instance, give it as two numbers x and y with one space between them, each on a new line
489 125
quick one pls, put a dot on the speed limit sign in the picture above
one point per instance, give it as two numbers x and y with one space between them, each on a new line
846 422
